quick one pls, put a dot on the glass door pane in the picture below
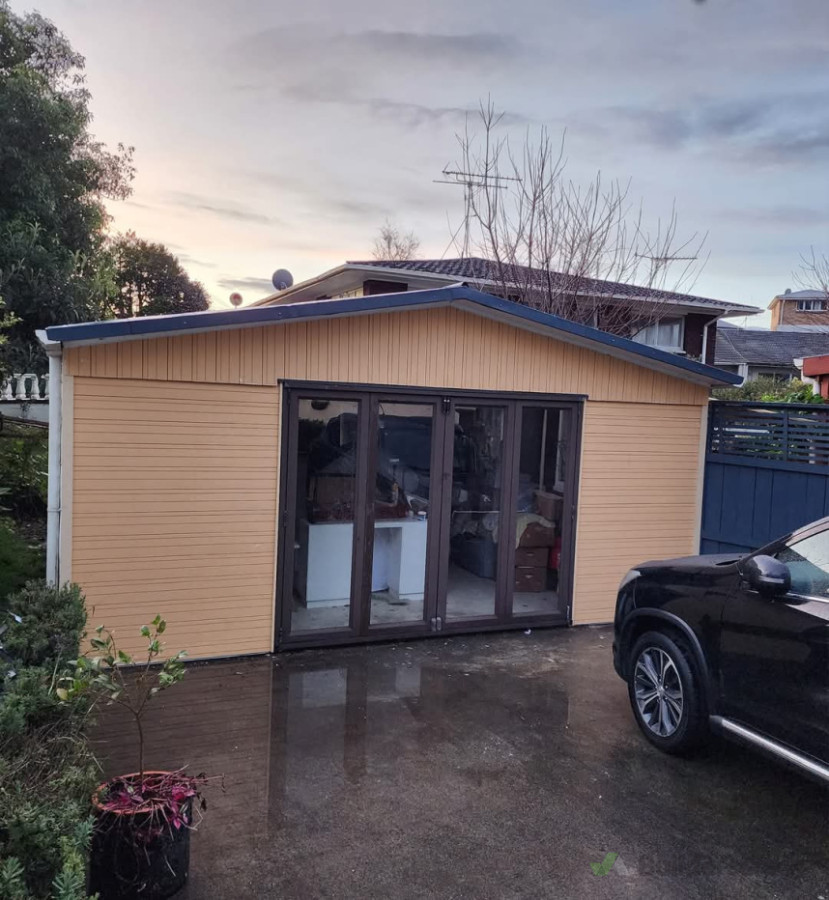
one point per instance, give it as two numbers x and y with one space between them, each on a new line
540 503
402 498
475 510
324 514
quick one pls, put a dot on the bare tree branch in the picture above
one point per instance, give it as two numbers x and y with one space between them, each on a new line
583 252
392 244
813 274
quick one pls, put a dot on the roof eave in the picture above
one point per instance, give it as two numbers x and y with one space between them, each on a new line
474 301
317 280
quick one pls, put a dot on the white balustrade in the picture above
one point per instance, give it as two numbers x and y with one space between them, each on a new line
24 388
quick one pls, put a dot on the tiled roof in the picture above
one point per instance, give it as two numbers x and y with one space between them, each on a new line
758 347
486 271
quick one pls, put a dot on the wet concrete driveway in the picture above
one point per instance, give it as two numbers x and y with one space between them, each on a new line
498 766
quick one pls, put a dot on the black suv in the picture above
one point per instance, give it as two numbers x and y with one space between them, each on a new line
739 644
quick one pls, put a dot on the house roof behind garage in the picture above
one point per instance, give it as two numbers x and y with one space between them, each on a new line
460 297
487 275
487 271
759 347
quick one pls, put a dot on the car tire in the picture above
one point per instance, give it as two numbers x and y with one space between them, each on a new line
666 693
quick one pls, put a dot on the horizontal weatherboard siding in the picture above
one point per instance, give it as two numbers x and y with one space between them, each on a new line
175 510
176 443
638 498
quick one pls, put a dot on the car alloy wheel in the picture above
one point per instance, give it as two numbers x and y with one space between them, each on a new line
658 691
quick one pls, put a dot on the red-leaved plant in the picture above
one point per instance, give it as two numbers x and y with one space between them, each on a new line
153 801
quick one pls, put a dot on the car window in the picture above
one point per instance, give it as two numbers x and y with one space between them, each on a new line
808 561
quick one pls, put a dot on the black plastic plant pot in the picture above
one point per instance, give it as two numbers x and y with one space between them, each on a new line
138 855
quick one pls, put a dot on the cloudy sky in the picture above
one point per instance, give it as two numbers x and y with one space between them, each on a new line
273 135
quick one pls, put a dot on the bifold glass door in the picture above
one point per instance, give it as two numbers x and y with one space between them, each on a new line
325 448
358 530
408 514
400 514
542 495
476 514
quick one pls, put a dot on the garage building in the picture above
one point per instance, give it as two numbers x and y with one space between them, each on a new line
335 471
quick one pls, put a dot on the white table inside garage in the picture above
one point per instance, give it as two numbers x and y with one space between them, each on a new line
398 563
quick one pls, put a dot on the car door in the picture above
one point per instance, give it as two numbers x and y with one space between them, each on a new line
774 653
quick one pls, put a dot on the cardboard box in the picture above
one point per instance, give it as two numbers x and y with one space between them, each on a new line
530 579
535 557
549 505
537 535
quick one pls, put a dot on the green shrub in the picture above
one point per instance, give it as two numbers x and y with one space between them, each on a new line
44 793
51 627
29 703
19 562
770 390
47 772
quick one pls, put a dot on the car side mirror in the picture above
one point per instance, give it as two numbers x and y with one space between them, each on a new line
767 575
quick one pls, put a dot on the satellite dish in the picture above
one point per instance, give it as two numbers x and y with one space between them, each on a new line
236 299
282 279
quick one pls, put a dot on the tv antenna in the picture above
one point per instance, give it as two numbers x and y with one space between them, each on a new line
470 181
666 259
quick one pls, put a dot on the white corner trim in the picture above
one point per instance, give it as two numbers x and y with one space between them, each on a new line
67 470
54 350
703 446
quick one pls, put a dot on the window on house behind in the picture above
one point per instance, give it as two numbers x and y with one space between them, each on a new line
665 334
811 305
782 377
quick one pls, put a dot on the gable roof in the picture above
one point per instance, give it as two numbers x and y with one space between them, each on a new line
486 272
758 347
461 297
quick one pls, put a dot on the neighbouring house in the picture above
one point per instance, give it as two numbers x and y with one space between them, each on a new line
814 370
364 468
753 353
806 310
686 324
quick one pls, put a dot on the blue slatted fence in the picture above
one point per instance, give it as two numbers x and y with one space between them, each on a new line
766 472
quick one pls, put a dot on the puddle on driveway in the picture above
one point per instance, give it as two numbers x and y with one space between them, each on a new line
491 766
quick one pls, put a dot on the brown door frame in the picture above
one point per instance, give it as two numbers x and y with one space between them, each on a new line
447 475
367 396
569 505
415 628
287 516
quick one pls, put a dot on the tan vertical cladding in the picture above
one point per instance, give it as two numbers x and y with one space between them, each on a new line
174 510
441 347
176 445
638 496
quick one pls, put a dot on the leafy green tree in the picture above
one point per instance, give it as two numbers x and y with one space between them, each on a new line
54 178
6 322
151 281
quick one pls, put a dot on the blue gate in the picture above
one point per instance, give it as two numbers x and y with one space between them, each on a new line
766 472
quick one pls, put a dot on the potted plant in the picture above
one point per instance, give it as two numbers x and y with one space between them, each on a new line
141 840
